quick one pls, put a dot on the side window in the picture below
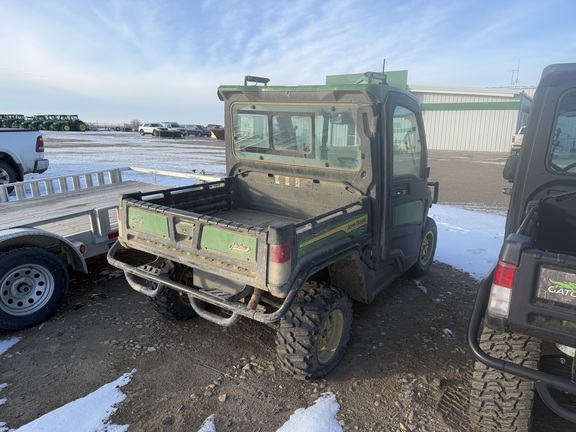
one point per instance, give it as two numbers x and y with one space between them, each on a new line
562 151
407 145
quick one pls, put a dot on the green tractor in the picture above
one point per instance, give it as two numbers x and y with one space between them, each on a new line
68 123
25 123
12 120
47 122
37 122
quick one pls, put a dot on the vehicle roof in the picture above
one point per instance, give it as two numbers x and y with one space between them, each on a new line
376 92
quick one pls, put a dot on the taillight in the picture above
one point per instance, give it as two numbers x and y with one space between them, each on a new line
279 254
501 291
279 263
39 144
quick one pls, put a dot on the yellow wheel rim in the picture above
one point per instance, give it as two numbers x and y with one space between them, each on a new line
330 336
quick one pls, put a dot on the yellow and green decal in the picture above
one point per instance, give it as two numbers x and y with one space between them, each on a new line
351 228
229 243
148 222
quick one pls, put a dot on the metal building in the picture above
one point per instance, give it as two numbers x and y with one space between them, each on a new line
472 119
461 118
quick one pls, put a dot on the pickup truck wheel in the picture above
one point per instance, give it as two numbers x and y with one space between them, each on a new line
313 335
172 304
427 250
500 401
7 174
33 284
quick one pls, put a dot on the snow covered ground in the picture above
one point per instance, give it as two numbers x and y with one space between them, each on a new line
467 240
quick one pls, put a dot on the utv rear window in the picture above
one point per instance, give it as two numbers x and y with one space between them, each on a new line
562 153
322 136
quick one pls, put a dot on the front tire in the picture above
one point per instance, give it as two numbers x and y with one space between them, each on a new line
33 284
427 250
500 401
313 335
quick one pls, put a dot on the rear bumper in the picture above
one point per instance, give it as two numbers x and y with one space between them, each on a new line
41 165
543 379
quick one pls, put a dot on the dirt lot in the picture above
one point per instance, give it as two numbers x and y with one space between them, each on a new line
408 366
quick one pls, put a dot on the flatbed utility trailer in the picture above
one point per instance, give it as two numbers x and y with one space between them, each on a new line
49 224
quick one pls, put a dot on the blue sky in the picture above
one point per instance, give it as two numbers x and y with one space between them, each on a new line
120 60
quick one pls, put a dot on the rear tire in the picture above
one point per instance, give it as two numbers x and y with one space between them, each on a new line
33 284
500 401
313 335
427 250
7 174
172 304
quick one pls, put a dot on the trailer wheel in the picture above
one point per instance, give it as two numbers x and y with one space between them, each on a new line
427 250
7 174
33 284
172 304
313 335
500 401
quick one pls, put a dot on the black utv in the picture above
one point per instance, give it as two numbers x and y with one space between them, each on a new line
523 326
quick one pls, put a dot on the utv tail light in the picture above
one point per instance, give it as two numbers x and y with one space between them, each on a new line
280 263
501 291
279 254
39 144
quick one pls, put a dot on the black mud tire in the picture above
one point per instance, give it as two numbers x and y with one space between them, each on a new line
7 174
172 305
81 127
427 250
312 337
500 401
33 285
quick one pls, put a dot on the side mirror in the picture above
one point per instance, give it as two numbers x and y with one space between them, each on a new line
510 167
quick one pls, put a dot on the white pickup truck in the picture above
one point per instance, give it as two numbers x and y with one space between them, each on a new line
21 152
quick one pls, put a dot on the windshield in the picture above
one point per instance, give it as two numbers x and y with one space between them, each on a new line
313 135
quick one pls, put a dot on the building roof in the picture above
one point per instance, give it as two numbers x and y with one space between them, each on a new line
504 92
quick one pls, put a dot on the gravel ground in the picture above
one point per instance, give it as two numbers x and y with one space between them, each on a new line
408 366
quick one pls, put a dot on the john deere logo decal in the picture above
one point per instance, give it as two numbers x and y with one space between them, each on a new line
562 288
139 220
239 247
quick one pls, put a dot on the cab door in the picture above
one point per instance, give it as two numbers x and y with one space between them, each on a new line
409 196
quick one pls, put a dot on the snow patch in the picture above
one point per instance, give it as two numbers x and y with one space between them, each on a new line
320 417
468 240
90 413
6 344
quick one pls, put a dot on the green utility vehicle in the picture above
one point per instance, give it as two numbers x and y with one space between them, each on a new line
523 327
318 208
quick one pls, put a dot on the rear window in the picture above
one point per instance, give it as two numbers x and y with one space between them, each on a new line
562 156
319 135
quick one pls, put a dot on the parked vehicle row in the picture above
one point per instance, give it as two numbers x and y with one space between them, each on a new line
173 129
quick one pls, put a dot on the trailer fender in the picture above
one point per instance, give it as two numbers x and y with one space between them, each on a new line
18 237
